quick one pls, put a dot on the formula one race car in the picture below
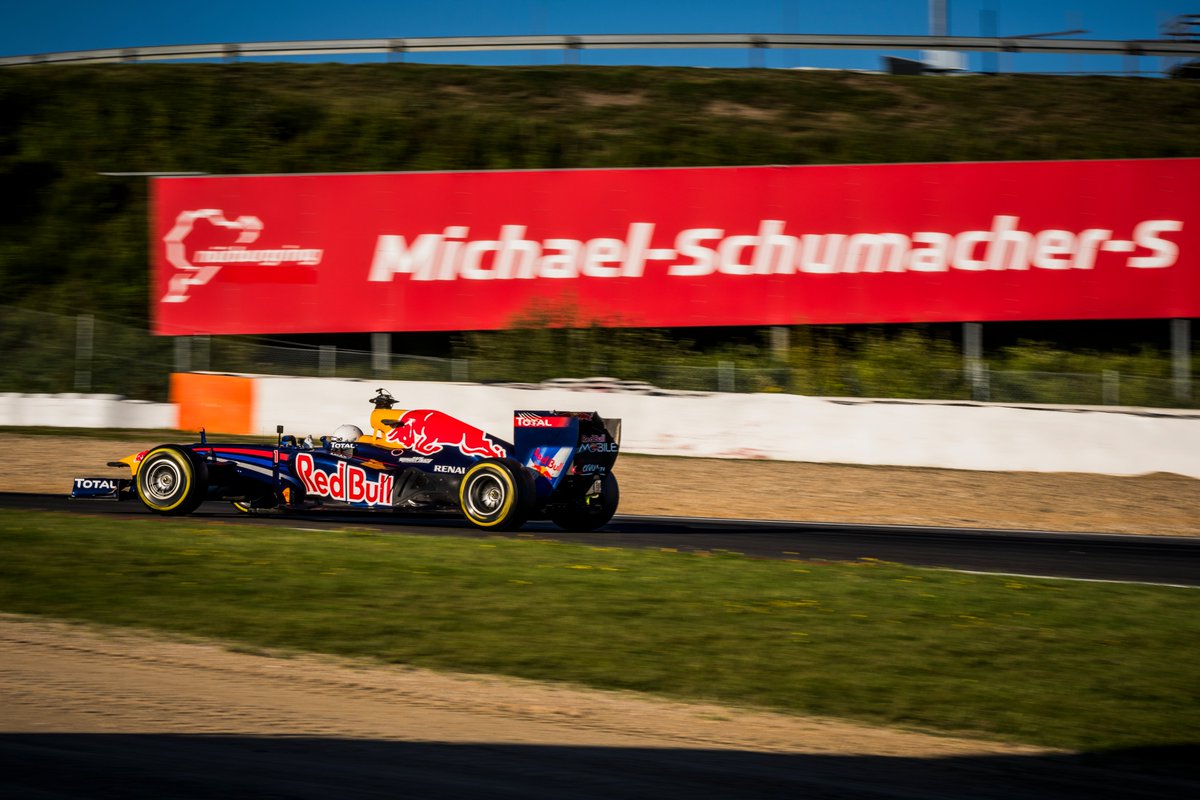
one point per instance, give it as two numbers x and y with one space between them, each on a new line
559 467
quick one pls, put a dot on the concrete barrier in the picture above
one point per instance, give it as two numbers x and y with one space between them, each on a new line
973 436
84 411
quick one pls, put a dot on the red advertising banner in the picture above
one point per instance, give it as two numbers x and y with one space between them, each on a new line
677 247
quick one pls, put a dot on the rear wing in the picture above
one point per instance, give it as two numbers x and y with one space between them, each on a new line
556 444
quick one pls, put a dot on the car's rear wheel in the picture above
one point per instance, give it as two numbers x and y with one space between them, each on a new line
170 480
494 496
593 513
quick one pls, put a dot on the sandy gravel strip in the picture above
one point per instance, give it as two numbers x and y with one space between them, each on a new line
91 712
59 677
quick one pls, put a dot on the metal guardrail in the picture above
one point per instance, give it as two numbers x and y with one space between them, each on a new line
398 47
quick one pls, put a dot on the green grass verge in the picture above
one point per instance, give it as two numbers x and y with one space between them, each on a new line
1058 663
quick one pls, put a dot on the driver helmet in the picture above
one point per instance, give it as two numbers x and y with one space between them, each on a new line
347 433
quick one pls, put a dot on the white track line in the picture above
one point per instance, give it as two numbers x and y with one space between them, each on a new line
1056 577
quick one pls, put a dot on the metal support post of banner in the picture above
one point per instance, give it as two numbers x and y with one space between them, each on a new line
183 354
973 359
202 351
381 354
779 343
1181 358
85 336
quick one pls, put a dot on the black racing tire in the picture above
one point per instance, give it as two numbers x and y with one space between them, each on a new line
596 514
171 481
526 487
494 496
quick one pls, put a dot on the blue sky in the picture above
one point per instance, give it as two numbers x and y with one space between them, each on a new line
58 25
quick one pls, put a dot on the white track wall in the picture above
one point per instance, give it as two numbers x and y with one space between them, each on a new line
84 411
972 436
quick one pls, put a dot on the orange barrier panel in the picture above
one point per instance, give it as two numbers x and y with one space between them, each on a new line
218 403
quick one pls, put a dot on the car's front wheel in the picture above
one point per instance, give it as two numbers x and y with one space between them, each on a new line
170 480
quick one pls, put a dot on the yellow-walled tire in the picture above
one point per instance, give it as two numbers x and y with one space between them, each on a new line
493 497
171 481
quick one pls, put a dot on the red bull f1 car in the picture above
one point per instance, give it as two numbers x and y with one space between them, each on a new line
558 467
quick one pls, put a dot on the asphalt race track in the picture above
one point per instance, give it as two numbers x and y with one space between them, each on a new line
77 766
1169 560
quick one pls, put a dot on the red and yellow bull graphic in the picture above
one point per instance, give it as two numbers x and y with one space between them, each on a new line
549 462
429 432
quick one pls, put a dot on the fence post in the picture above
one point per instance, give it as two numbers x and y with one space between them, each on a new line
981 382
1110 387
1181 357
973 359
381 353
327 361
725 376
85 337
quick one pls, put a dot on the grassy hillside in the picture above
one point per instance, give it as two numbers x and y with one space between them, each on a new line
72 240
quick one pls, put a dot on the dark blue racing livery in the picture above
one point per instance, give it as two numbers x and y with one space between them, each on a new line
558 467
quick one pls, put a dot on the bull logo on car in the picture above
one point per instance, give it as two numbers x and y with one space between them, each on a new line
548 461
429 432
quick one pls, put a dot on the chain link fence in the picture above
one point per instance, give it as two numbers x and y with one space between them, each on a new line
45 352
1107 387
53 353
